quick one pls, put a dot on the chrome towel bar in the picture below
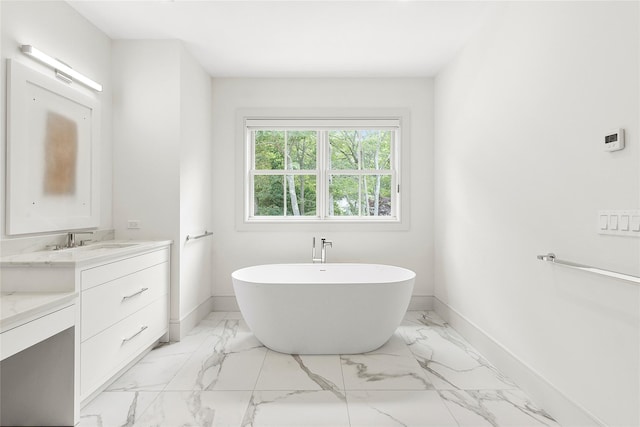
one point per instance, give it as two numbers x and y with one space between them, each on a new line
550 257
199 236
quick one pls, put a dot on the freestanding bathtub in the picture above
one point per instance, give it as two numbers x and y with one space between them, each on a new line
323 308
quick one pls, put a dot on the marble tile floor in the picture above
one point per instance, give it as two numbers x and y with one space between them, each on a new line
221 375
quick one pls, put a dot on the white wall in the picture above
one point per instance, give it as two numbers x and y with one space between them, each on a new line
162 160
195 184
58 30
234 249
520 171
146 118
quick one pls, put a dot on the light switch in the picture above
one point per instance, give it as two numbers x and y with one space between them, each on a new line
619 222
604 222
624 222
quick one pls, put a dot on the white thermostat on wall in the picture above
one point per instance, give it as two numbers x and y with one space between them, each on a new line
614 140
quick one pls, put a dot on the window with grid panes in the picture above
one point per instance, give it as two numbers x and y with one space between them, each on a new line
322 170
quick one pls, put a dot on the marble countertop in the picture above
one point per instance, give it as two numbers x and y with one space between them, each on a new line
81 255
17 307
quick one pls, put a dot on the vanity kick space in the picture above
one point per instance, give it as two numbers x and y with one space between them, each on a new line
37 348
221 375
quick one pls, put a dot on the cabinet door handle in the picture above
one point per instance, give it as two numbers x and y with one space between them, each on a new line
134 294
124 340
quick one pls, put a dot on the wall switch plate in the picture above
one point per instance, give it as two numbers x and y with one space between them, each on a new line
604 222
619 222
614 140
133 224
624 222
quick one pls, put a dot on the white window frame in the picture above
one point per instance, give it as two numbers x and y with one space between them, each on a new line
323 125
402 222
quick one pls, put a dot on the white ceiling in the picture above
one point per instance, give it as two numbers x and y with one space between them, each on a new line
315 38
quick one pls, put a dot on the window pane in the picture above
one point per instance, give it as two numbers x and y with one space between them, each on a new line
318 168
368 195
343 195
360 149
301 195
269 146
344 149
268 195
376 149
376 191
301 150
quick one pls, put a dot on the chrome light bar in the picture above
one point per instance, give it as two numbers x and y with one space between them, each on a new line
64 71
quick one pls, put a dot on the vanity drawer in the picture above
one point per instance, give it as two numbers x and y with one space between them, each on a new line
105 354
106 304
107 272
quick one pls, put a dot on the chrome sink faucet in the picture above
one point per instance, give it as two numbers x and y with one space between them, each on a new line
323 250
71 238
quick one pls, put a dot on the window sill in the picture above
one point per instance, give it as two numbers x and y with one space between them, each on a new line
314 224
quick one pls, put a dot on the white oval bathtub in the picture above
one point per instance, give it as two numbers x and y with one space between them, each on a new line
323 308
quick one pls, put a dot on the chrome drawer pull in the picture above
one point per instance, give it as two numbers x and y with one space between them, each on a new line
124 340
134 294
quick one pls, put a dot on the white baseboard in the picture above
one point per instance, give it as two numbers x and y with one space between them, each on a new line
225 303
180 328
421 303
567 412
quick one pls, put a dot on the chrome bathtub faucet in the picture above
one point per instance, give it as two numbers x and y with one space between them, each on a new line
323 250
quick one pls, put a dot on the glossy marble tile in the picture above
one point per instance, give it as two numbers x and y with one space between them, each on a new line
424 318
116 409
230 359
187 345
301 372
196 408
221 375
449 361
504 408
296 408
398 408
373 371
233 315
394 347
152 373
206 325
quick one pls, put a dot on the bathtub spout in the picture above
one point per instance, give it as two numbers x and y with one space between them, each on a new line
323 250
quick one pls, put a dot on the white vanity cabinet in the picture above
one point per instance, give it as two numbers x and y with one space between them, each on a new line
124 309
122 305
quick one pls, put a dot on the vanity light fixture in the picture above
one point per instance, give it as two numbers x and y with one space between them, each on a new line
63 71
